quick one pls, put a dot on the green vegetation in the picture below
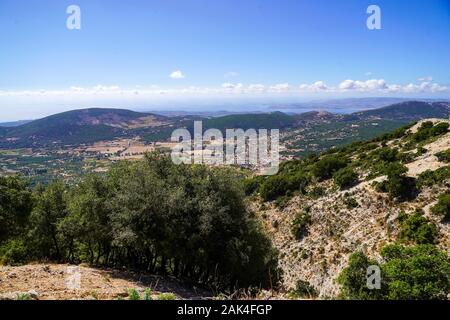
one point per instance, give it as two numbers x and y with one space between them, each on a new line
419 272
152 215
316 192
353 279
147 294
397 184
345 178
417 228
430 178
303 289
23 296
350 202
327 166
300 224
166 296
444 156
427 130
407 273
280 185
133 295
442 207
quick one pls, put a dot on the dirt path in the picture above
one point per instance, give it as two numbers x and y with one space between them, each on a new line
61 281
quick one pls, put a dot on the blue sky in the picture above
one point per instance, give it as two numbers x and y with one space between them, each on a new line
126 51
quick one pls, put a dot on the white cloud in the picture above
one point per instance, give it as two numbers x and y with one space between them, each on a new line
364 86
315 87
112 93
427 78
258 88
280 88
233 88
177 74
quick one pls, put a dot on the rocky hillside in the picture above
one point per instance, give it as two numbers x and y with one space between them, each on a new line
358 216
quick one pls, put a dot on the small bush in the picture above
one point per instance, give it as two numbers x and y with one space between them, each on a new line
353 279
351 203
147 294
345 177
418 229
251 185
300 223
303 289
23 296
327 166
398 185
282 202
13 252
133 295
430 178
279 185
316 192
443 156
428 130
442 207
166 296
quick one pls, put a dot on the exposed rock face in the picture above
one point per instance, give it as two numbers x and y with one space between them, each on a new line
336 231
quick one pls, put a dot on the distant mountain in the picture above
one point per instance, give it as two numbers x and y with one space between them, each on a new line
14 123
77 127
96 124
347 105
406 111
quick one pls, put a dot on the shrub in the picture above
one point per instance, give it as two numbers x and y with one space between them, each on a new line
303 289
443 156
345 177
398 185
133 295
387 154
439 129
418 229
442 207
419 272
327 166
353 279
421 151
251 185
273 187
279 185
166 296
430 178
147 294
316 192
23 296
14 252
300 223
428 130
282 202
351 203
407 273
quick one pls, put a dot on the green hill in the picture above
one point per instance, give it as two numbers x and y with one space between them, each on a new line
73 127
